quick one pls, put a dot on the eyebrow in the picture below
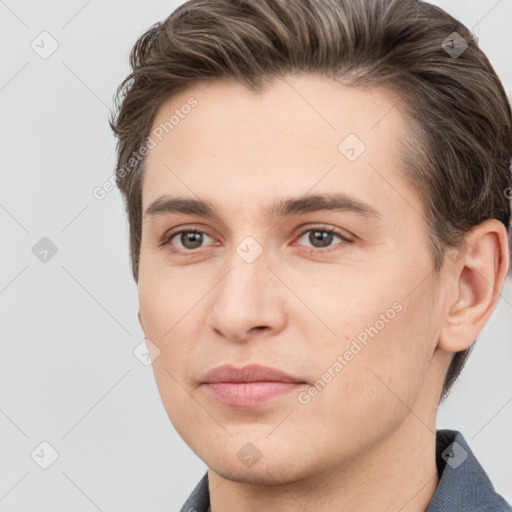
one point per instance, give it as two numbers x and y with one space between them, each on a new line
339 202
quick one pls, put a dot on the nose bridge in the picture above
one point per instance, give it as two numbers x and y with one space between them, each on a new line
246 274
242 300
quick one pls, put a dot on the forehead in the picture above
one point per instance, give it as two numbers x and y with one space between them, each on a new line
302 133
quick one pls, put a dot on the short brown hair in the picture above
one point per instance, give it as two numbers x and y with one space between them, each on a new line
458 157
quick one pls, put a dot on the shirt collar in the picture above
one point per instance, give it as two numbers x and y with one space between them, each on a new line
463 483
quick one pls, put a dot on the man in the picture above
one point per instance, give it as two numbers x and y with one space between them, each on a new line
318 207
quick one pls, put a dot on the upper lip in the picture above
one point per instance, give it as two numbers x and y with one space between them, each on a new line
250 373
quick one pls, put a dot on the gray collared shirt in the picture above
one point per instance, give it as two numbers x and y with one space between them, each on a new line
463 483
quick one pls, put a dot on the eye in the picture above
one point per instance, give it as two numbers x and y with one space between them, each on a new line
189 239
322 237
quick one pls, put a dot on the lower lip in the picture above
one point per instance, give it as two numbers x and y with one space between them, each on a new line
249 394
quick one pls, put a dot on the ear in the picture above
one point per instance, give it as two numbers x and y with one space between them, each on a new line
475 280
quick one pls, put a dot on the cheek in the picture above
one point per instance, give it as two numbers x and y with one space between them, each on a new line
381 353
169 323
169 320
165 298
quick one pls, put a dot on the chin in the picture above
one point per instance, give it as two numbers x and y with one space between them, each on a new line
257 475
273 468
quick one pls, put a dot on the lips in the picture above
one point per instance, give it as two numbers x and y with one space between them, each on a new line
249 386
250 373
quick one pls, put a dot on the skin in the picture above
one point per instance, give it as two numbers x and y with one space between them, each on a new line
371 429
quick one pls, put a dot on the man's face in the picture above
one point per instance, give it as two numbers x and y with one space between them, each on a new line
353 318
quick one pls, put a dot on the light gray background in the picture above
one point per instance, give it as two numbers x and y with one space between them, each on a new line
68 375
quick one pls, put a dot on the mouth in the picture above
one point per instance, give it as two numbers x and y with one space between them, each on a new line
249 386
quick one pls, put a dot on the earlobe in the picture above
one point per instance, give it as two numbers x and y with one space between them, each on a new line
477 278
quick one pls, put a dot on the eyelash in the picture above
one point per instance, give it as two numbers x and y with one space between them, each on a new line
331 231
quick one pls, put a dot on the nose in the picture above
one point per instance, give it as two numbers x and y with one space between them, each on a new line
248 299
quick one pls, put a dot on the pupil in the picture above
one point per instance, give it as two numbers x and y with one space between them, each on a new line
195 240
321 236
